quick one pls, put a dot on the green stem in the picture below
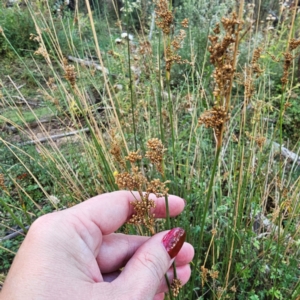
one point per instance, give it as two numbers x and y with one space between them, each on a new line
169 287
197 252
170 107
210 188
159 99
130 81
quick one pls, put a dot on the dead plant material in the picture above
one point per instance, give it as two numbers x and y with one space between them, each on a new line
176 285
2 183
254 63
294 44
288 59
155 152
221 55
164 19
214 118
135 180
70 74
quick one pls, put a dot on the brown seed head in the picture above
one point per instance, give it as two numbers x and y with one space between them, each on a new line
164 16
185 23
155 152
214 118
2 184
134 156
70 74
129 181
176 285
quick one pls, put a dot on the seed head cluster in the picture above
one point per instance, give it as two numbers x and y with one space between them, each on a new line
204 273
70 73
2 184
214 118
164 16
254 63
135 180
164 20
176 285
129 181
155 152
288 59
221 54
250 71
116 151
145 48
157 188
133 156
142 213
293 44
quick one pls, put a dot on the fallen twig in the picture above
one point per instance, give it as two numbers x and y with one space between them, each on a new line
13 235
53 137
287 153
24 101
10 128
88 63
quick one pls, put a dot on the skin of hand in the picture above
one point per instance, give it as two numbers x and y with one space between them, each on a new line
75 254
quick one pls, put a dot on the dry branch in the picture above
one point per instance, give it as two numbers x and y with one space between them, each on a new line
88 63
14 234
287 153
10 128
53 137
24 101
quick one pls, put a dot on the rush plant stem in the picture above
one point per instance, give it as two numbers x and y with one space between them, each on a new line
130 81
282 110
159 99
228 94
170 108
208 197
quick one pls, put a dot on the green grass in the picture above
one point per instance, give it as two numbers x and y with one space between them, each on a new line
242 212
13 115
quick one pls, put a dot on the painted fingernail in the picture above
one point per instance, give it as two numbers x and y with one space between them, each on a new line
174 240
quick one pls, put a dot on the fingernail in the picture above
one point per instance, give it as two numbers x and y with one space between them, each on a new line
185 203
174 240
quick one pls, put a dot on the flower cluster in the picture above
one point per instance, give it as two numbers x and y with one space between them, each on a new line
135 180
155 152
221 54
70 74
214 118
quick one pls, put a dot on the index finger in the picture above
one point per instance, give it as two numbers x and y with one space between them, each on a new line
111 210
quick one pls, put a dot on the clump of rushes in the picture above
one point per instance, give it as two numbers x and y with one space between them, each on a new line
171 44
223 56
133 179
164 21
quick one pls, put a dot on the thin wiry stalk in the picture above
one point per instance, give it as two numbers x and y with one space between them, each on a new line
132 100
104 75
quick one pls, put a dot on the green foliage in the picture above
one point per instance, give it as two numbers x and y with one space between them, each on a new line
6 256
17 25
242 211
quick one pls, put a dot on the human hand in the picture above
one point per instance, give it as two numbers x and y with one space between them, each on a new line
74 254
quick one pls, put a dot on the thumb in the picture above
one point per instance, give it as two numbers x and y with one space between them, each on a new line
144 272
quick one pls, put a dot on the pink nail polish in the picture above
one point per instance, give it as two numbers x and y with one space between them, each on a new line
174 240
